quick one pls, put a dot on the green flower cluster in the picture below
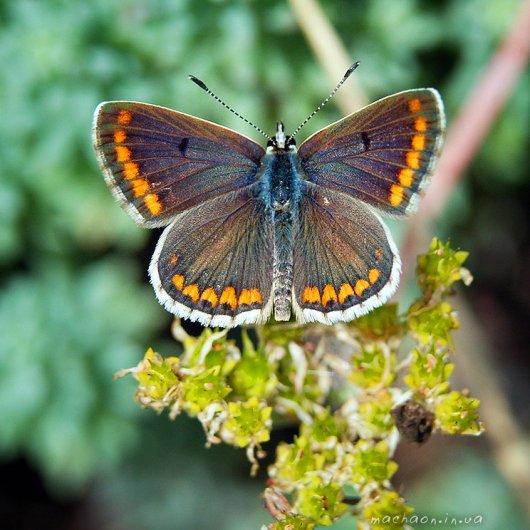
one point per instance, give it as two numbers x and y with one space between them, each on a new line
353 389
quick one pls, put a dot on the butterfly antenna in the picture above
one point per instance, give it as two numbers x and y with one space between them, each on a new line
199 83
349 71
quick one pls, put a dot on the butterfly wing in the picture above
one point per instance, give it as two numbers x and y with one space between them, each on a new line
344 261
383 154
213 263
158 162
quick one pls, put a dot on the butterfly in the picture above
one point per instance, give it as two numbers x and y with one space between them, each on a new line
252 232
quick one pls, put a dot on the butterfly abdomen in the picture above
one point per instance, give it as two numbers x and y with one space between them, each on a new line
282 280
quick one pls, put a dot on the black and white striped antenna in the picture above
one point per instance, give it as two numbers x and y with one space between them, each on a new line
349 71
202 85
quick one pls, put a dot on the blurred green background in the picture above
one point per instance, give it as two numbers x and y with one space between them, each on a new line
75 304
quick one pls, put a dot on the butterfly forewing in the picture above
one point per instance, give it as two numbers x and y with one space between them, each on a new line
213 264
159 162
345 262
383 154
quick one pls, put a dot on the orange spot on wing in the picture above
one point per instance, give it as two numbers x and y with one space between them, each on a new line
153 204
396 195
328 294
140 187
420 124
311 295
373 275
255 296
414 105
123 154
178 281
130 170
249 297
345 290
120 136
418 142
124 117
192 291
405 176
378 254
228 296
209 296
413 159
173 259
361 286
244 297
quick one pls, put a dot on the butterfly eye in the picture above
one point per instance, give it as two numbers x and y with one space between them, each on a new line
290 141
271 143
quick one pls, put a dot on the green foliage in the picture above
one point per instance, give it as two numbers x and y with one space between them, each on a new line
388 511
54 377
248 423
348 431
429 372
458 414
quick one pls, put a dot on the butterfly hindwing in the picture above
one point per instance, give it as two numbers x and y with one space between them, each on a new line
383 154
159 162
213 263
344 262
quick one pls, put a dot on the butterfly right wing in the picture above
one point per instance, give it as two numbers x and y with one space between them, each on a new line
344 261
383 154
158 162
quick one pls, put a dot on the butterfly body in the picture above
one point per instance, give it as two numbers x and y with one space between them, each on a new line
250 231
281 175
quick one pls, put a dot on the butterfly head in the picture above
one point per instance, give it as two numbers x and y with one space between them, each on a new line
281 142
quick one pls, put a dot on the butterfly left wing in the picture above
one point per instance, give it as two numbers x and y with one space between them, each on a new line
383 154
158 162
344 262
213 263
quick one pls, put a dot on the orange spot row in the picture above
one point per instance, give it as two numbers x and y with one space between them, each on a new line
131 170
228 295
406 175
311 294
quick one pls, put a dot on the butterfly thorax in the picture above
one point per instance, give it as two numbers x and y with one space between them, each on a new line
280 171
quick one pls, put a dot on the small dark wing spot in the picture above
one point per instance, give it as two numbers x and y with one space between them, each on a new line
365 139
183 146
